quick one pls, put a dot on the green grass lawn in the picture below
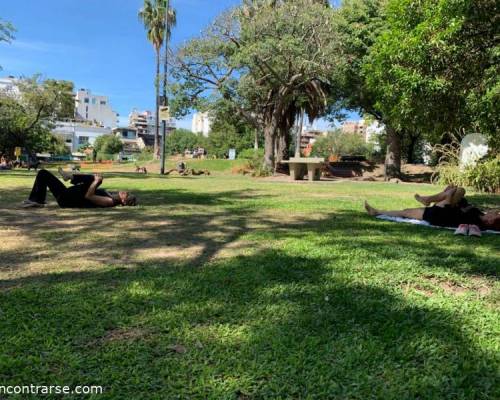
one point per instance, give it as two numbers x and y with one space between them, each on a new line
227 287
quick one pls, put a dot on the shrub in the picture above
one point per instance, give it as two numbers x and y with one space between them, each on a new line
249 154
105 157
254 165
145 155
108 144
181 139
484 176
338 143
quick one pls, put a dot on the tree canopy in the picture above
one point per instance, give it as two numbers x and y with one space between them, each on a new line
26 118
436 66
268 59
108 144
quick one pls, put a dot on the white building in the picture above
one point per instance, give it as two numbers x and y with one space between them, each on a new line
132 142
77 134
95 109
202 123
9 86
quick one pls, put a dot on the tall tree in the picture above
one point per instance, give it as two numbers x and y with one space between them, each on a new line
359 23
436 68
152 14
269 59
26 118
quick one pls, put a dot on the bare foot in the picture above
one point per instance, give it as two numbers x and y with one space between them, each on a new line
65 174
422 200
370 210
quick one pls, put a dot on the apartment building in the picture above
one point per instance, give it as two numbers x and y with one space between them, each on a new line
362 128
95 109
201 123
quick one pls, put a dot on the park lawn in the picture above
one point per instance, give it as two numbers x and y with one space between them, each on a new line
228 287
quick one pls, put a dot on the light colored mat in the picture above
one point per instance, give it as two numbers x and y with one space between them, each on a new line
419 222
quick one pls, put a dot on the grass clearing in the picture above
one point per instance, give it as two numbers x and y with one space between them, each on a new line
228 287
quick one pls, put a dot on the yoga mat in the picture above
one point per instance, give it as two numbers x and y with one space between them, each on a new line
419 222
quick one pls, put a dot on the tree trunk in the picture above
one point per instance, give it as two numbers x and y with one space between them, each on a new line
256 140
283 146
393 154
156 150
412 145
299 133
270 139
411 149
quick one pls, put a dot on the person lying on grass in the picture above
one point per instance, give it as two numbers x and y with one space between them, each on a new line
448 208
83 194
183 170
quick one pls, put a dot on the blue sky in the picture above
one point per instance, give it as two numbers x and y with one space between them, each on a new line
98 44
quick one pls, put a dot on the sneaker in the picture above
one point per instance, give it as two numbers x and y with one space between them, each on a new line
462 229
31 204
474 231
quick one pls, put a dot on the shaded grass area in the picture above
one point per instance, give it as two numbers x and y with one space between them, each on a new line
227 287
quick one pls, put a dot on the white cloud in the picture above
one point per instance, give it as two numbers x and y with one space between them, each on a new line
45 47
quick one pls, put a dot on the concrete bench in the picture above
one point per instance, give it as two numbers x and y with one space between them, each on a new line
300 165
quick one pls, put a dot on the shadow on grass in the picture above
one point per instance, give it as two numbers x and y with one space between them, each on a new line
268 322
268 325
485 201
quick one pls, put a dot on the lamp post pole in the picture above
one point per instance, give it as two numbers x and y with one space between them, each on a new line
165 83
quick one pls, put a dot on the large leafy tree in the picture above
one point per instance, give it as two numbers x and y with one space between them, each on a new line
108 144
436 67
26 119
152 14
359 24
182 139
268 60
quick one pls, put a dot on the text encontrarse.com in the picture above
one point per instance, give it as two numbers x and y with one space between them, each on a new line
50 389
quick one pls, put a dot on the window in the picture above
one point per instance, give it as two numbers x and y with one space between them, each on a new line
83 139
86 100
103 102
93 100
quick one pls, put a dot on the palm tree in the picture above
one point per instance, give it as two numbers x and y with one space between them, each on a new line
152 15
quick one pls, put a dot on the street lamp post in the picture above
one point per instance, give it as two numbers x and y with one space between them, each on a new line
165 83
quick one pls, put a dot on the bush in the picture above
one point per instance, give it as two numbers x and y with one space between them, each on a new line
105 157
181 139
145 155
338 143
108 144
249 154
254 165
225 136
483 177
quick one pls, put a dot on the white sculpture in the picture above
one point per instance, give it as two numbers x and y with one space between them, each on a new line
473 147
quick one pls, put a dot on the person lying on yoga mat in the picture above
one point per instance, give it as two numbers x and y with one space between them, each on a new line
450 209
83 194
